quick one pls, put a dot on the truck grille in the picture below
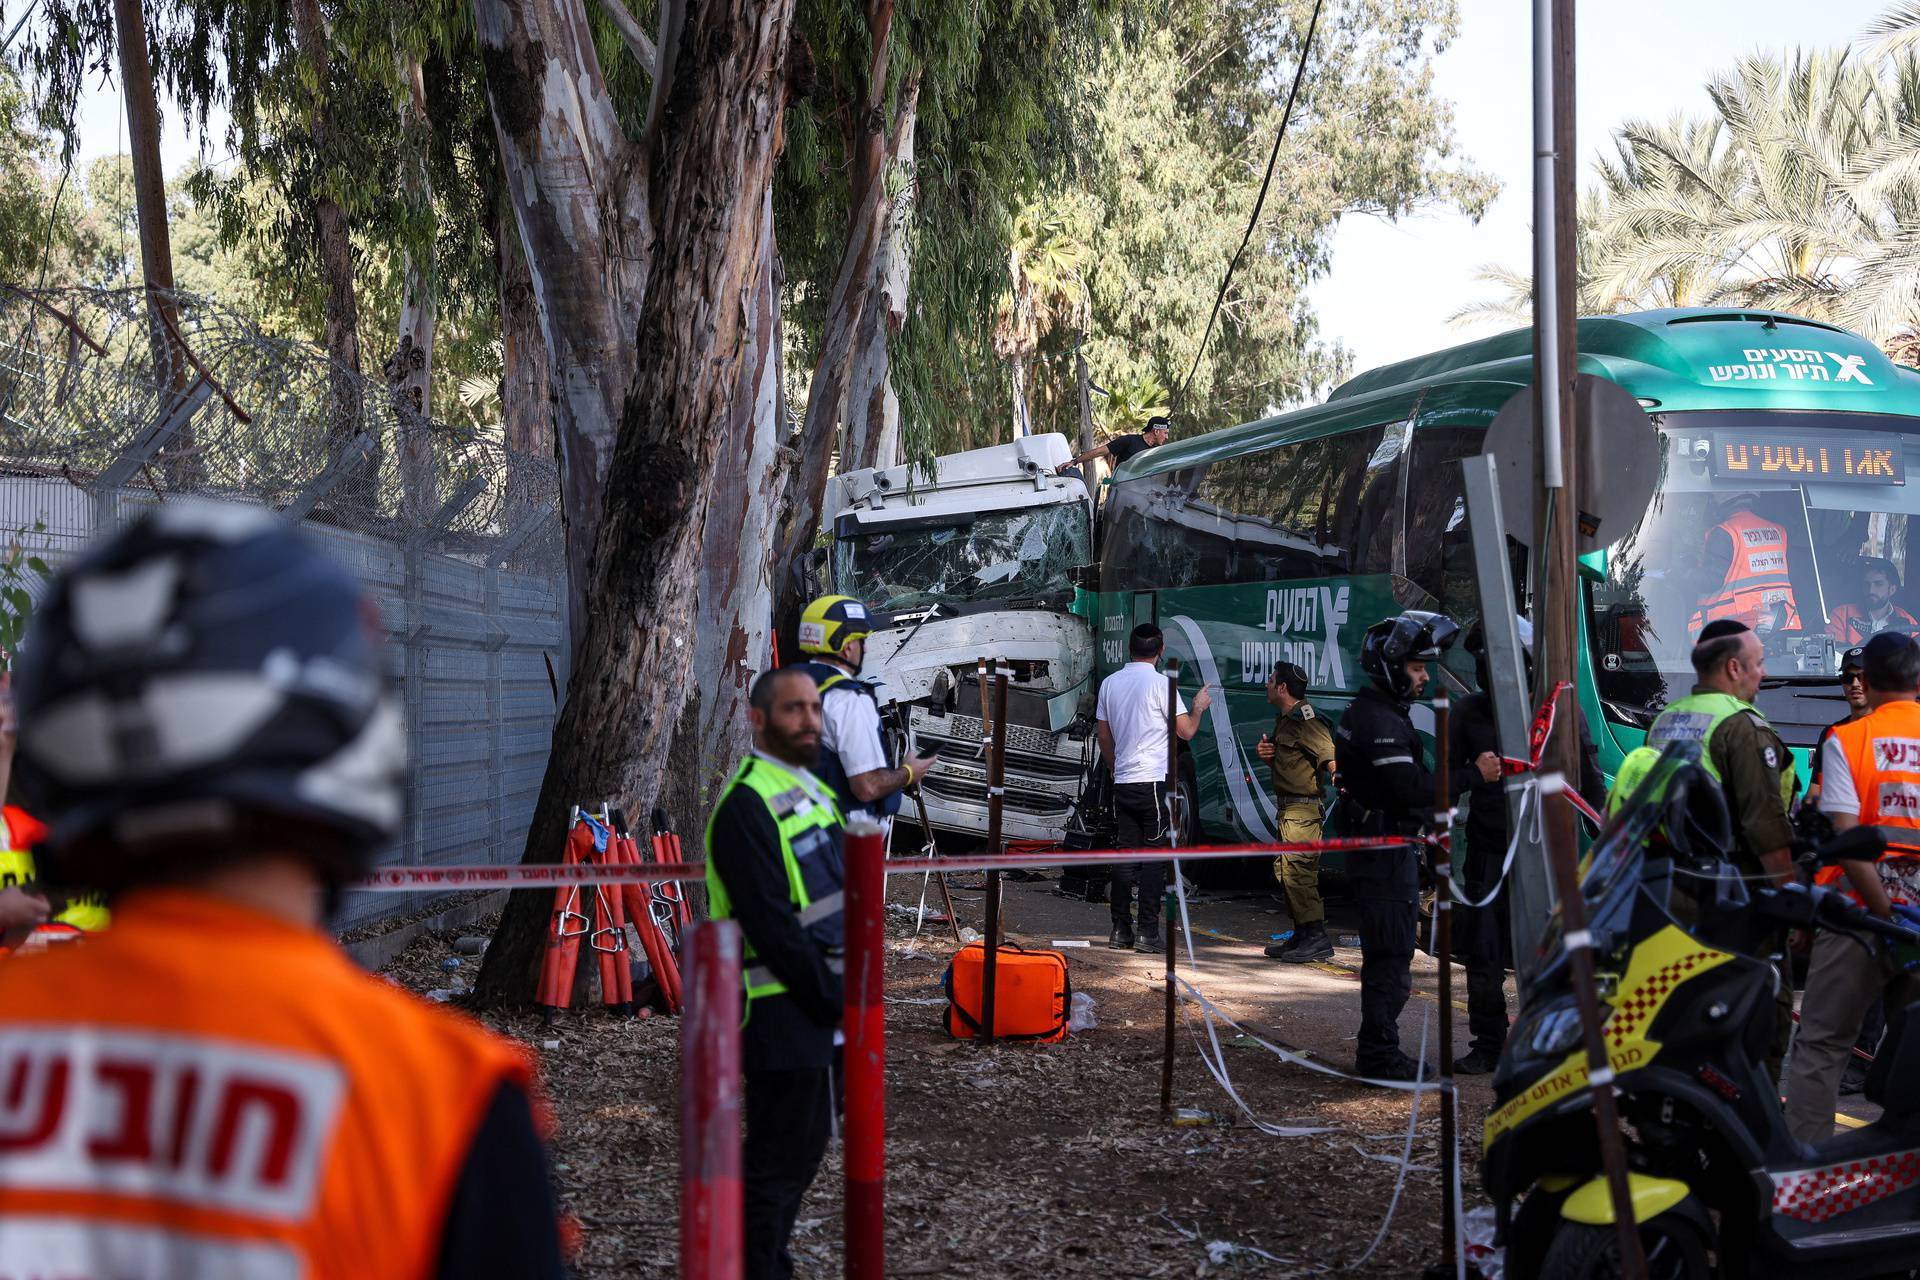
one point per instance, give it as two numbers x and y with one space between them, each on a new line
962 789
1030 752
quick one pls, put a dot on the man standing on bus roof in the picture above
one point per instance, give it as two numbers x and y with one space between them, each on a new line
1131 717
1855 624
1755 586
853 752
1387 790
1298 753
1120 448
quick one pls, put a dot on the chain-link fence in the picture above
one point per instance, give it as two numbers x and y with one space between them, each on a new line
111 401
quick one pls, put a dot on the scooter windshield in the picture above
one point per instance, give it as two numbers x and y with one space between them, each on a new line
1611 871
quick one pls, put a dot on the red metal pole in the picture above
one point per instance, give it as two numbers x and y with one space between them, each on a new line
866 1053
711 1231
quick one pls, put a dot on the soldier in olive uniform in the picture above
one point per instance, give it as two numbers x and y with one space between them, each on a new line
1755 771
1298 752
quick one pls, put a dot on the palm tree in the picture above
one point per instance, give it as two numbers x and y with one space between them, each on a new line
1046 294
1130 402
1801 191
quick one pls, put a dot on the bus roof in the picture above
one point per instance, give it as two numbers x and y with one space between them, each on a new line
1672 360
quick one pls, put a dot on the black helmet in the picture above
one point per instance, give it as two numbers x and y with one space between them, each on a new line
204 684
1414 636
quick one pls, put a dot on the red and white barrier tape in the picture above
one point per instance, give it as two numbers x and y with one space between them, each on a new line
532 876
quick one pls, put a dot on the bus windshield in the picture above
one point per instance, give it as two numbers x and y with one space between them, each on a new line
1798 524
1024 554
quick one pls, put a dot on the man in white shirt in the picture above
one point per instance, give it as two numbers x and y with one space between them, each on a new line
1132 715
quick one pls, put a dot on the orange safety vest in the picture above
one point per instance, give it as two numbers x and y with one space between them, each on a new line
1757 579
1883 755
203 1090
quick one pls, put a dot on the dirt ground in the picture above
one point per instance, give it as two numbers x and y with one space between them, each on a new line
1039 1160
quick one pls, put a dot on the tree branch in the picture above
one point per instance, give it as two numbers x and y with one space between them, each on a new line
630 31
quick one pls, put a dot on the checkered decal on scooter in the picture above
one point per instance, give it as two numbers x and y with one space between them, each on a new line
1815 1195
1635 1007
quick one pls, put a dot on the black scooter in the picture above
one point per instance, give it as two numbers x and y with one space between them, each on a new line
1719 1187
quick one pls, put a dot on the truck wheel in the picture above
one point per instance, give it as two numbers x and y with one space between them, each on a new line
1674 1245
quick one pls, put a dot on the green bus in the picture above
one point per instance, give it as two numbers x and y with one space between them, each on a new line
1284 539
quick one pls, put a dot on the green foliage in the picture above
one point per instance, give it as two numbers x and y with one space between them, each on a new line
1130 402
20 573
1188 100
1799 190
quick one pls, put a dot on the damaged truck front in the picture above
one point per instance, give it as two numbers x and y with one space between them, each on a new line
976 559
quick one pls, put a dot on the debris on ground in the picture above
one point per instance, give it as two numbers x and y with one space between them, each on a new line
1015 1159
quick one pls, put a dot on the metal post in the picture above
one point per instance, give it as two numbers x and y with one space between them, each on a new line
1166 1053
1556 362
996 796
1443 952
1173 779
866 1053
1529 888
711 1224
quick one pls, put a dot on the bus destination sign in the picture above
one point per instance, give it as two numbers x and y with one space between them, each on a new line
1831 459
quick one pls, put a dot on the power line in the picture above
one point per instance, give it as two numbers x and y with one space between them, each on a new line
1286 116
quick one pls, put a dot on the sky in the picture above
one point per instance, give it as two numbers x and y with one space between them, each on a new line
1393 285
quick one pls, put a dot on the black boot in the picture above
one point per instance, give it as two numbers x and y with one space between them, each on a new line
1398 1068
1311 943
1149 942
1121 939
1478 1062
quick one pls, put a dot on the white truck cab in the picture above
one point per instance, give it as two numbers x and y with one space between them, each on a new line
974 561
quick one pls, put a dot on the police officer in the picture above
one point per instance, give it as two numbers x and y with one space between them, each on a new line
1483 937
774 864
1388 790
853 752
1298 753
1853 687
213 1087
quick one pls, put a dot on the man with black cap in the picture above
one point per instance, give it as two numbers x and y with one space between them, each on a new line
1298 752
1387 790
1120 448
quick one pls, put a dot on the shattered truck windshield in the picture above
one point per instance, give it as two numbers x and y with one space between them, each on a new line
997 555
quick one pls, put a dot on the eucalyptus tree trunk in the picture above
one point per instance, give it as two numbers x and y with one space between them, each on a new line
580 200
826 395
410 369
526 394
341 322
733 632
149 191
873 410
712 162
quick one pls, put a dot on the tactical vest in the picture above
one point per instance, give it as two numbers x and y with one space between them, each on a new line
828 768
811 856
1693 718
1757 580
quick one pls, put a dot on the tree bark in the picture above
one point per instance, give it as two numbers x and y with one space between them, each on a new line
733 630
873 410
580 202
526 392
826 396
410 369
149 193
712 163
357 494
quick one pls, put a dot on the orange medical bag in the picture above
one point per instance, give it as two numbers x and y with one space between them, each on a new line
1033 994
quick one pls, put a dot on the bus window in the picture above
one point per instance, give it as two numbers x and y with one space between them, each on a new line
1316 509
1438 547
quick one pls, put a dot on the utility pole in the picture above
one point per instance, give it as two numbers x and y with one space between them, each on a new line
1556 364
